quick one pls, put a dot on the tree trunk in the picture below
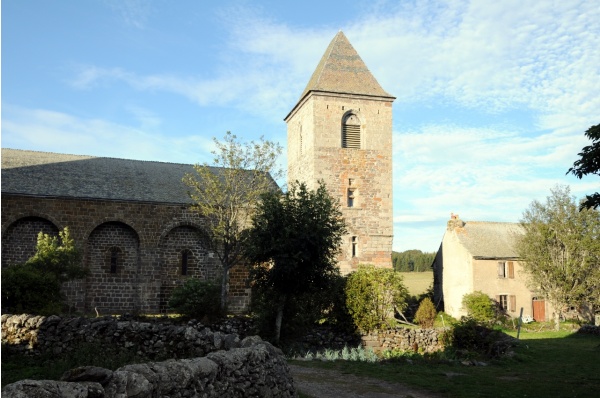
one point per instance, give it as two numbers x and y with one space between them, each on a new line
556 320
224 289
279 318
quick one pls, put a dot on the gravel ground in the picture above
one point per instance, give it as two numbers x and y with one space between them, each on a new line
325 383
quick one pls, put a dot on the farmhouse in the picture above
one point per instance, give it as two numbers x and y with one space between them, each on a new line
481 256
132 218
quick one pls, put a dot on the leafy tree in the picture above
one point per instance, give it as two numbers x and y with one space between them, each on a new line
426 313
560 250
373 295
35 287
589 163
224 195
479 306
293 244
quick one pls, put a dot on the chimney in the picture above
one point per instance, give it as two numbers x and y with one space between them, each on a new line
454 222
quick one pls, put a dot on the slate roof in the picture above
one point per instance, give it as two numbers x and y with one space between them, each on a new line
488 240
46 174
342 70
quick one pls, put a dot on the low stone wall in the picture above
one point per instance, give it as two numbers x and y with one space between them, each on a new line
159 338
255 369
418 340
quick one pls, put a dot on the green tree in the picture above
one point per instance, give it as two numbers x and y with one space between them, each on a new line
373 295
425 316
560 250
198 299
35 287
589 163
224 195
293 244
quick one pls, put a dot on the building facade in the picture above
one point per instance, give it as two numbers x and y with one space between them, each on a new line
340 132
481 256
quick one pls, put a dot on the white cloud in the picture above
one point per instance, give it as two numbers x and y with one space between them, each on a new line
133 12
44 130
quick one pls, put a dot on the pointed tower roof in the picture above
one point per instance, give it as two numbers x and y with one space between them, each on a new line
341 70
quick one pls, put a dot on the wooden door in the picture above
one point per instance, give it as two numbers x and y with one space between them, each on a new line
539 310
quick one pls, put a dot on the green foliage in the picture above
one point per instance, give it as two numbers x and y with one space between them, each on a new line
223 194
480 307
589 163
292 246
412 260
26 289
197 299
425 316
470 335
373 295
35 287
560 250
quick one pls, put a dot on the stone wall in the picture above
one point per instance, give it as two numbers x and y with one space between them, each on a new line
134 250
418 340
255 369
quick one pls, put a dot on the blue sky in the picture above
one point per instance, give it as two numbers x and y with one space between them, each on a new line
493 97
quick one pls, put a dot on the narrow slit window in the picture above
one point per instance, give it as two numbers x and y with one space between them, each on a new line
114 260
354 246
184 262
350 197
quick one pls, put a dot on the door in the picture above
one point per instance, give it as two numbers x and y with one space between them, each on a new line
539 310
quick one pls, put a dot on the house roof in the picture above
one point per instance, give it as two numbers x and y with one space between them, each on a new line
48 174
487 240
341 70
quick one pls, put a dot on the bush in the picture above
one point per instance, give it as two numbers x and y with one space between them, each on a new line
373 295
197 299
479 307
26 289
35 287
425 316
471 336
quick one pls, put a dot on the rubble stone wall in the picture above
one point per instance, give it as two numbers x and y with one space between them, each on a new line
215 364
419 340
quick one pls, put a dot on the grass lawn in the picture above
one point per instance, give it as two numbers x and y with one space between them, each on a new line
547 364
417 282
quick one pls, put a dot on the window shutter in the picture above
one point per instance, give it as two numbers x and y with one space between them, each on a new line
511 270
513 303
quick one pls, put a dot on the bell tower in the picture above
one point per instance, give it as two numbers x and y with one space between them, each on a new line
340 131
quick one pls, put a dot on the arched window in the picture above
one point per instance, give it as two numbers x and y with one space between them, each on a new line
351 131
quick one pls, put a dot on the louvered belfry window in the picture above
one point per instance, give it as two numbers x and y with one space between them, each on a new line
351 132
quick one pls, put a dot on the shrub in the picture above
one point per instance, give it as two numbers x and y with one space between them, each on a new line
479 307
197 299
426 313
35 287
470 335
373 295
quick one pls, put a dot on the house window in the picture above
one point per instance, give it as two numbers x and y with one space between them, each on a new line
506 269
507 302
351 132
354 246
350 197
114 260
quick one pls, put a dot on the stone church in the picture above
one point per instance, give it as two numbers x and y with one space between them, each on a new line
132 218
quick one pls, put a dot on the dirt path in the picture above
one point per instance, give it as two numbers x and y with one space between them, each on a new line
325 383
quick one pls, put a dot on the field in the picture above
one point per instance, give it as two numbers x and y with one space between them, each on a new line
547 364
417 282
